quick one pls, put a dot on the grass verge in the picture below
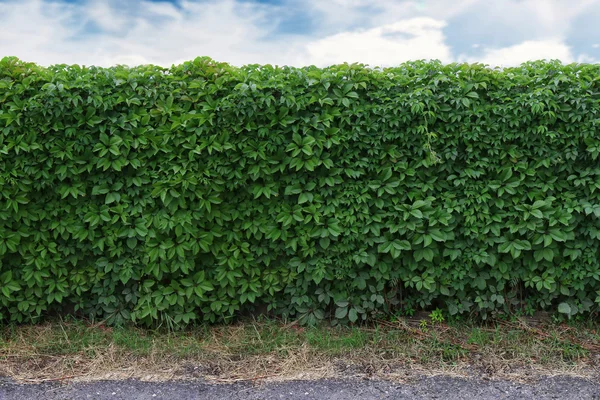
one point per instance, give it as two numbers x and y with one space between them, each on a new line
402 350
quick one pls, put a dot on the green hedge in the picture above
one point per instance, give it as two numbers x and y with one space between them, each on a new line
205 191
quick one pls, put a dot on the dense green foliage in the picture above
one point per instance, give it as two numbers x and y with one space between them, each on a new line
205 191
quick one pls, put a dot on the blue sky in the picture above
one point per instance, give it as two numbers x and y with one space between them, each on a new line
299 32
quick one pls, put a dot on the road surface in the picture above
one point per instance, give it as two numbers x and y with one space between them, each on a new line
355 389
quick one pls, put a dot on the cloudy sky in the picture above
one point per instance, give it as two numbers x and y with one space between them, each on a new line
299 32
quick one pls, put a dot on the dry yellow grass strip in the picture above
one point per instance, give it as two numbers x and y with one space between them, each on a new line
253 352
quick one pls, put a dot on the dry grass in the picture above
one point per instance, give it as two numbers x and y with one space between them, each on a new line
252 351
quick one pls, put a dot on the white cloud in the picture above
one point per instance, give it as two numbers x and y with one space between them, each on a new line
526 51
162 9
342 15
105 16
546 17
505 22
417 38
37 31
50 33
376 32
586 58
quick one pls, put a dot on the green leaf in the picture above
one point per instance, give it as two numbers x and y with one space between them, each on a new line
305 197
426 254
564 308
437 235
416 213
206 286
558 235
112 197
537 213
353 315
401 244
341 312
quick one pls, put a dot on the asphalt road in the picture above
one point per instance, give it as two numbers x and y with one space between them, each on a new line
426 388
